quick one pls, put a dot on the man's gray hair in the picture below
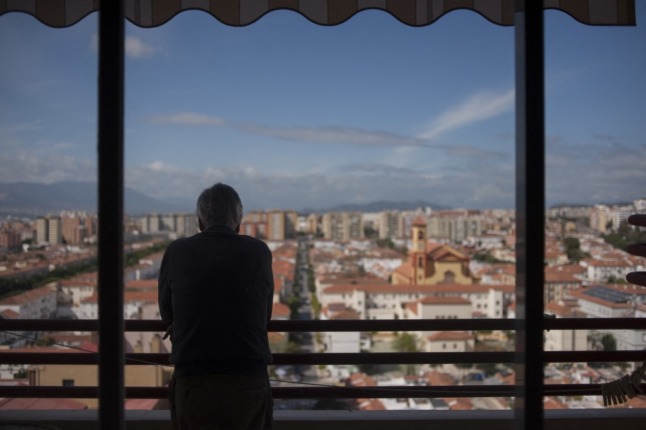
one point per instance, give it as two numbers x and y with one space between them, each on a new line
220 204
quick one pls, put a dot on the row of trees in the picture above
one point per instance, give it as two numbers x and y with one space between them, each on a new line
625 235
12 286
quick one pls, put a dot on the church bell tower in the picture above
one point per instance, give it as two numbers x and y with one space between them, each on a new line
418 251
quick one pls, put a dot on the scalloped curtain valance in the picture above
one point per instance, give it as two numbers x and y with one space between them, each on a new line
153 13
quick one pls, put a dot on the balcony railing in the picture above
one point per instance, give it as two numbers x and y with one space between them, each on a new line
308 392
341 420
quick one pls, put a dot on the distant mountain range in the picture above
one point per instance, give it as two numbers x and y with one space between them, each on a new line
378 206
24 198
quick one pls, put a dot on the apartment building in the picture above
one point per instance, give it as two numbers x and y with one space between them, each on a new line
390 225
179 224
275 225
456 225
342 226
49 230
10 239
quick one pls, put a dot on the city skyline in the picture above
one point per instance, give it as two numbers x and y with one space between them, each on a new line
296 115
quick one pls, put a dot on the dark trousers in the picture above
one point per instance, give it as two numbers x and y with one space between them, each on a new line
222 402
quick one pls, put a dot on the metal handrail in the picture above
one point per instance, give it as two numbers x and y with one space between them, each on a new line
345 325
88 358
305 392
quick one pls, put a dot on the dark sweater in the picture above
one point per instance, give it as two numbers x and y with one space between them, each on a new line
216 289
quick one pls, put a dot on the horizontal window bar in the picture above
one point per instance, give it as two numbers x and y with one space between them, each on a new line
76 358
319 392
347 325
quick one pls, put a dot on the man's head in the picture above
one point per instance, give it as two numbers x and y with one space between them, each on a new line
219 204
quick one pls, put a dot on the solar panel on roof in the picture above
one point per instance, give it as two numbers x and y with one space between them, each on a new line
608 294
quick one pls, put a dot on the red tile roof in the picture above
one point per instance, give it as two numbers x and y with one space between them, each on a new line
460 404
280 310
39 404
140 296
371 405
450 335
8 314
347 314
28 296
435 377
145 284
141 404
445 301
361 380
385 288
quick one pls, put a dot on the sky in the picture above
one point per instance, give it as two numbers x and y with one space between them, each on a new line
296 115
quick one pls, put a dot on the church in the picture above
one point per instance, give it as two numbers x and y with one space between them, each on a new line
432 263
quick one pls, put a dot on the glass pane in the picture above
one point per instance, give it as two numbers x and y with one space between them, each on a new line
375 159
48 203
595 157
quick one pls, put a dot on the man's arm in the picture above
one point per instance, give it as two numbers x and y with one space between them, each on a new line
270 280
165 294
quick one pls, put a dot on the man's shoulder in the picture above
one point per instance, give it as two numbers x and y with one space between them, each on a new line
194 240
252 241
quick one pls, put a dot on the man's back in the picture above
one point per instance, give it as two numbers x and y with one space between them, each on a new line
216 290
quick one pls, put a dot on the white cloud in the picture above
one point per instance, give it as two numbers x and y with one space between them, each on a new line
618 176
20 127
134 47
478 107
324 135
260 188
188 118
45 168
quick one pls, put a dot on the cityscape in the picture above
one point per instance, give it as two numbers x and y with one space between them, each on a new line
325 131
391 264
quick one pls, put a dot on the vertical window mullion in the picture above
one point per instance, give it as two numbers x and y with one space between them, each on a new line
110 192
530 213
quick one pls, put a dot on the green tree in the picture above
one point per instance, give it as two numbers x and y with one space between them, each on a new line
489 369
385 243
370 232
573 249
294 302
316 306
625 235
608 342
407 342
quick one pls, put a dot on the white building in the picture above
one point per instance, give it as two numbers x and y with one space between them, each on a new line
449 341
608 302
349 342
601 270
386 301
39 303
78 289
390 224
565 340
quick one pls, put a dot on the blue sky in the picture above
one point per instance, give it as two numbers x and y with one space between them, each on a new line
297 115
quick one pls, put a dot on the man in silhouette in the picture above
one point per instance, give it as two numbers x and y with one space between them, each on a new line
215 295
